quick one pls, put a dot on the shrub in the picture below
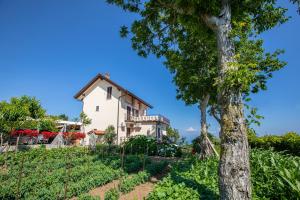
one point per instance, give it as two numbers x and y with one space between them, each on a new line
169 150
106 149
142 144
156 167
112 194
289 143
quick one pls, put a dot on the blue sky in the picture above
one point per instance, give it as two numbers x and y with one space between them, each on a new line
50 49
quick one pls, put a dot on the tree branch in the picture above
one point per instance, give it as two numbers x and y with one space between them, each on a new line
214 114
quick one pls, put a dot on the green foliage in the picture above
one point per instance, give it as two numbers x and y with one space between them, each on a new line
128 183
44 173
110 135
156 167
142 144
183 32
20 112
173 134
63 117
47 124
273 175
88 197
168 189
108 150
132 164
112 194
288 143
84 119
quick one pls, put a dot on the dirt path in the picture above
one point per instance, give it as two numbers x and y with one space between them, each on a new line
100 191
139 193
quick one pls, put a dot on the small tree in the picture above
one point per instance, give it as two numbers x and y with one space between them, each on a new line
110 135
63 117
173 134
84 120
20 112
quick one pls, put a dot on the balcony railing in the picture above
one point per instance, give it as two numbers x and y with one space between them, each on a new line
147 118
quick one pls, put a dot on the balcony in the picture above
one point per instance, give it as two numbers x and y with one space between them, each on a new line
147 118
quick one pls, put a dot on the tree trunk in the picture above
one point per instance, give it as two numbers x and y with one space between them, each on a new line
1 138
17 144
206 149
234 169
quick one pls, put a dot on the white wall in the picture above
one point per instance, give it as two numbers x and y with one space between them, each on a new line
96 95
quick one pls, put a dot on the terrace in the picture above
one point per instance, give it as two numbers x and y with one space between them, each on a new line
147 118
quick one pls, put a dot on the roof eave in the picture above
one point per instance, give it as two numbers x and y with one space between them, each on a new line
100 76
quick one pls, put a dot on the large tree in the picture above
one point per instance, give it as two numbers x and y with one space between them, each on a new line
195 67
156 32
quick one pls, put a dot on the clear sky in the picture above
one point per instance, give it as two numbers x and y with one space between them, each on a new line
52 48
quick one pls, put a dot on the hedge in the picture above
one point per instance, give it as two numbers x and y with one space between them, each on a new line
288 143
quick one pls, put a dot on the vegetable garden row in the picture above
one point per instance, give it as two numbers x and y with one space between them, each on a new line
68 172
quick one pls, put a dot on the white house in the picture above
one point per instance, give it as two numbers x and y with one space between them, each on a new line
107 103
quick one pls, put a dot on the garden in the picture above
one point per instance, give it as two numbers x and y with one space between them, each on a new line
70 173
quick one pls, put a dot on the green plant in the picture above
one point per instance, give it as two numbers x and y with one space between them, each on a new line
112 194
110 135
88 197
274 176
168 189
44 173
288 143
156 167
141 144
128 183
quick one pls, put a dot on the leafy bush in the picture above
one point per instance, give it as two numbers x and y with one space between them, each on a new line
142 144
112 194
139 145
289 143
107 150
156 167
169 150
134 163
128 183
168 189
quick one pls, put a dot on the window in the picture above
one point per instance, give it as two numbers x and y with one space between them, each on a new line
97 108
109 90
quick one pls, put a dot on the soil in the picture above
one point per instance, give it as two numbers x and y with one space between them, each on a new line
139 193
100 191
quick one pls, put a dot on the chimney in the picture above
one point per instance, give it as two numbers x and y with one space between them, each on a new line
107 75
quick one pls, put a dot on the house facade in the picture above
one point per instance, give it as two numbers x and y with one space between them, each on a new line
107 103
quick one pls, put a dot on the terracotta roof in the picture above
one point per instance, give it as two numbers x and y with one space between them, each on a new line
97 132
101 77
